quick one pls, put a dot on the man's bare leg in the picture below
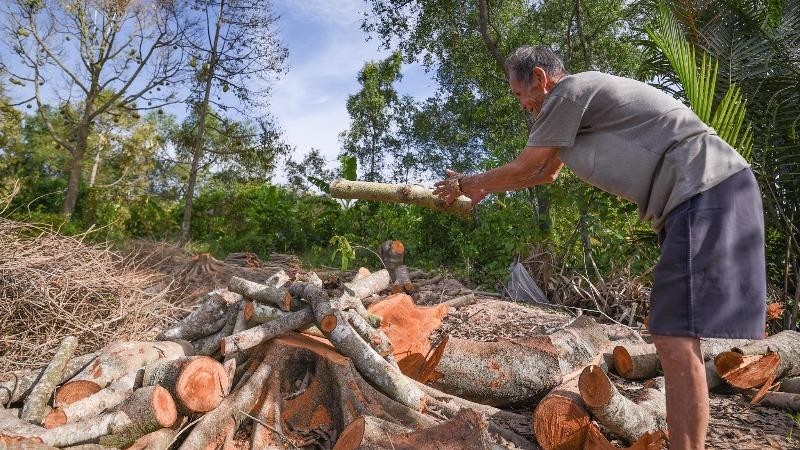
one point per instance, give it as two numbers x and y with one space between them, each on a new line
687 391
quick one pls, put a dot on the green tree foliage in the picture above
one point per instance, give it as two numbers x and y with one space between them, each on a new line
235 49
757 45
124 48
376 116
10 122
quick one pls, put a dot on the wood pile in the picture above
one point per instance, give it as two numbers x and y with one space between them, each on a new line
300 362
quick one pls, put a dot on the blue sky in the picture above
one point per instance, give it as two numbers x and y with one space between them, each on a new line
326 50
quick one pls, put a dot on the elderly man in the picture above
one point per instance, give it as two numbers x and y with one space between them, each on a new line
700 196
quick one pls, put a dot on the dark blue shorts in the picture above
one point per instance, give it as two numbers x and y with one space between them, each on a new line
711 278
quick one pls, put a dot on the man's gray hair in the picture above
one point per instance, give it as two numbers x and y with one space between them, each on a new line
520 63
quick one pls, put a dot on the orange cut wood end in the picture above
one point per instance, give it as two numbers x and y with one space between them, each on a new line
200 386
55 418
248 310
595 387
623 363
560 423
164 407
328 323
398 247
72 391
351 436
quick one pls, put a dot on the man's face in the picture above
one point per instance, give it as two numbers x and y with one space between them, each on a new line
531 94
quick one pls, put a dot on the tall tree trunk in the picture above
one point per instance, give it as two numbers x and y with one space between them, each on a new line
199 139
75 171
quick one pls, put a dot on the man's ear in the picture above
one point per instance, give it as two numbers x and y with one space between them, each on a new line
540 76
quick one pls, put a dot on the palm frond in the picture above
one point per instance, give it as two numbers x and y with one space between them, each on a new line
700 83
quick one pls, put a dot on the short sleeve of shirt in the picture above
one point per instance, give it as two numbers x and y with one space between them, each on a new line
557 123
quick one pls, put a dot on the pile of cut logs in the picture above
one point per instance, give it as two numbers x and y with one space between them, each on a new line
301 362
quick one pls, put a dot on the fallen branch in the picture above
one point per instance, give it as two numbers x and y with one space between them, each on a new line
616 412
35 407
115 361
208 318
15 386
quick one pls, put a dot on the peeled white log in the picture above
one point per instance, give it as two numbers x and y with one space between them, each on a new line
398 193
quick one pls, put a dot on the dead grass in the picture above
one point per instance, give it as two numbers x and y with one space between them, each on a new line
52 286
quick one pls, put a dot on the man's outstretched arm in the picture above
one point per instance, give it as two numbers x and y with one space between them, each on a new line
535 165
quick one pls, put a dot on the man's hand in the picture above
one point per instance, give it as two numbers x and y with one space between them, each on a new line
452 187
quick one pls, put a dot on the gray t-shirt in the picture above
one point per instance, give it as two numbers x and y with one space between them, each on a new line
634 141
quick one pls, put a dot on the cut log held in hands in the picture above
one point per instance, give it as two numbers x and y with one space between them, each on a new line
196 383
35 407
15 386
208 318
268 295
640 362
115 361
398 193
616 412
514 371
758 362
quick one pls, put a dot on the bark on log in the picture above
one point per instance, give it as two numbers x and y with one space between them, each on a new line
370 284
649 441
369 432
259 314
758 362
15 386
791 385
466 431
93 405
616 412
369 363
264 294
207 319
12 426
375 337
256 335
458 302
35 407
148 409
209 345
640 362
560 420
504 424
398 193
278 279
509 372
784 400
243 399
115 361
157 440
196 383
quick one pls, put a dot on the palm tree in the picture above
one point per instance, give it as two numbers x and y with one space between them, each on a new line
756 46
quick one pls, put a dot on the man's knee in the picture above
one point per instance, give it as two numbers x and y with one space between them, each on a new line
677 348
